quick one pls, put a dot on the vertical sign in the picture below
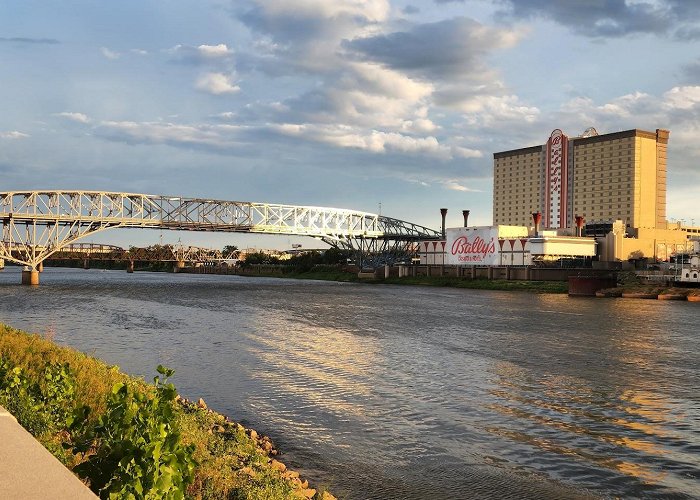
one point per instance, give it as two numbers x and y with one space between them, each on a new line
556 186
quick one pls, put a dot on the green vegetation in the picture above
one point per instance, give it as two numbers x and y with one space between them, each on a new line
338 273
134 449
482 284
130 439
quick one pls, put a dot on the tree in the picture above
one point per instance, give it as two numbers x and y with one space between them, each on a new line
230 251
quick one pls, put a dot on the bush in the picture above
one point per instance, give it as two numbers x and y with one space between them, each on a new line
40 407
134 449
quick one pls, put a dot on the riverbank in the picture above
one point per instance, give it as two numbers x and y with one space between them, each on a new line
41 383
436 281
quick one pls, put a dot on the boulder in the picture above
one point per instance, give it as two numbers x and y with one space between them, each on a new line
278 465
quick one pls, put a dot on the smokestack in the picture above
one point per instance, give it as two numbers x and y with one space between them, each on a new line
443 212
579 225
465 214
536 218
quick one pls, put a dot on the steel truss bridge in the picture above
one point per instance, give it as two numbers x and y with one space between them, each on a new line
157 253
37 224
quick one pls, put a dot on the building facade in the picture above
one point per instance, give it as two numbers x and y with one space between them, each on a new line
602 178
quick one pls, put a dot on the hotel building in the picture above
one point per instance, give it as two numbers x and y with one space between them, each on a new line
604 178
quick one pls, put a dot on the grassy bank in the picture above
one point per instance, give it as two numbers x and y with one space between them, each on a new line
47 388
440 281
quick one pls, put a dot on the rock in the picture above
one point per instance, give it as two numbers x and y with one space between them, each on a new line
253 434
267 446
201 404
308 492
291 474
274 452
219 428
278 465
327 496
304 484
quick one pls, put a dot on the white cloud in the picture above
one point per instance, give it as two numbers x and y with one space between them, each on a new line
13 134
214 51
455 186
215 136
76 117
682 97
375 141
109 54
492 110
139 52
216 83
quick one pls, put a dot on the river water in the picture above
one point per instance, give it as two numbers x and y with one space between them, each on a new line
394 392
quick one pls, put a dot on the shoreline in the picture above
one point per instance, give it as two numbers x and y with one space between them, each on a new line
232 459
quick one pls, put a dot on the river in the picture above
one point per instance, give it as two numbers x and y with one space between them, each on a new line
393 392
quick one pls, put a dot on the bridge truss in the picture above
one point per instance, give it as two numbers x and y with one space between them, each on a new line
155 253
37 224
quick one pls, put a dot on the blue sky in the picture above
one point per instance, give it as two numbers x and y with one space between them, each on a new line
344 103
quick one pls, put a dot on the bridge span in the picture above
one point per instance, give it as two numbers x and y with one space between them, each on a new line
36 224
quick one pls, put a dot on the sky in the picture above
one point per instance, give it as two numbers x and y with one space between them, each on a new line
375 105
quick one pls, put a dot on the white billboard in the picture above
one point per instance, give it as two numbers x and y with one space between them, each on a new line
472 246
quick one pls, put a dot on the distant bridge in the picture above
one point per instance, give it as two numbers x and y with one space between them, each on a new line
178 253
36 224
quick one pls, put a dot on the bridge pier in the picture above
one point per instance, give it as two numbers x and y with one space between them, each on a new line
40 267
130 266
30 276
2 264
179 265
86 264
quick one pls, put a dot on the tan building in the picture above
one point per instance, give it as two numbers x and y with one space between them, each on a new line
603 178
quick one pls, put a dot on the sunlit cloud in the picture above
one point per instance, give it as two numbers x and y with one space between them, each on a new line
13 134
76 117
217 84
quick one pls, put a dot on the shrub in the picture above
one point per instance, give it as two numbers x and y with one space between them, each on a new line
134 449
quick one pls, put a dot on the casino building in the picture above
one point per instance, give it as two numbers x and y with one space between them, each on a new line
603 178
615 182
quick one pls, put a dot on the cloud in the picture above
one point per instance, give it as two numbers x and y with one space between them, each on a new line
139 52
376 141
109 54
76 117
447 48
217 84
30 41
13 134
217 138
202 54
304 35
456 186
613 18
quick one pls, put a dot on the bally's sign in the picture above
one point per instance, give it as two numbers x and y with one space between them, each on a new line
472 247
556 195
